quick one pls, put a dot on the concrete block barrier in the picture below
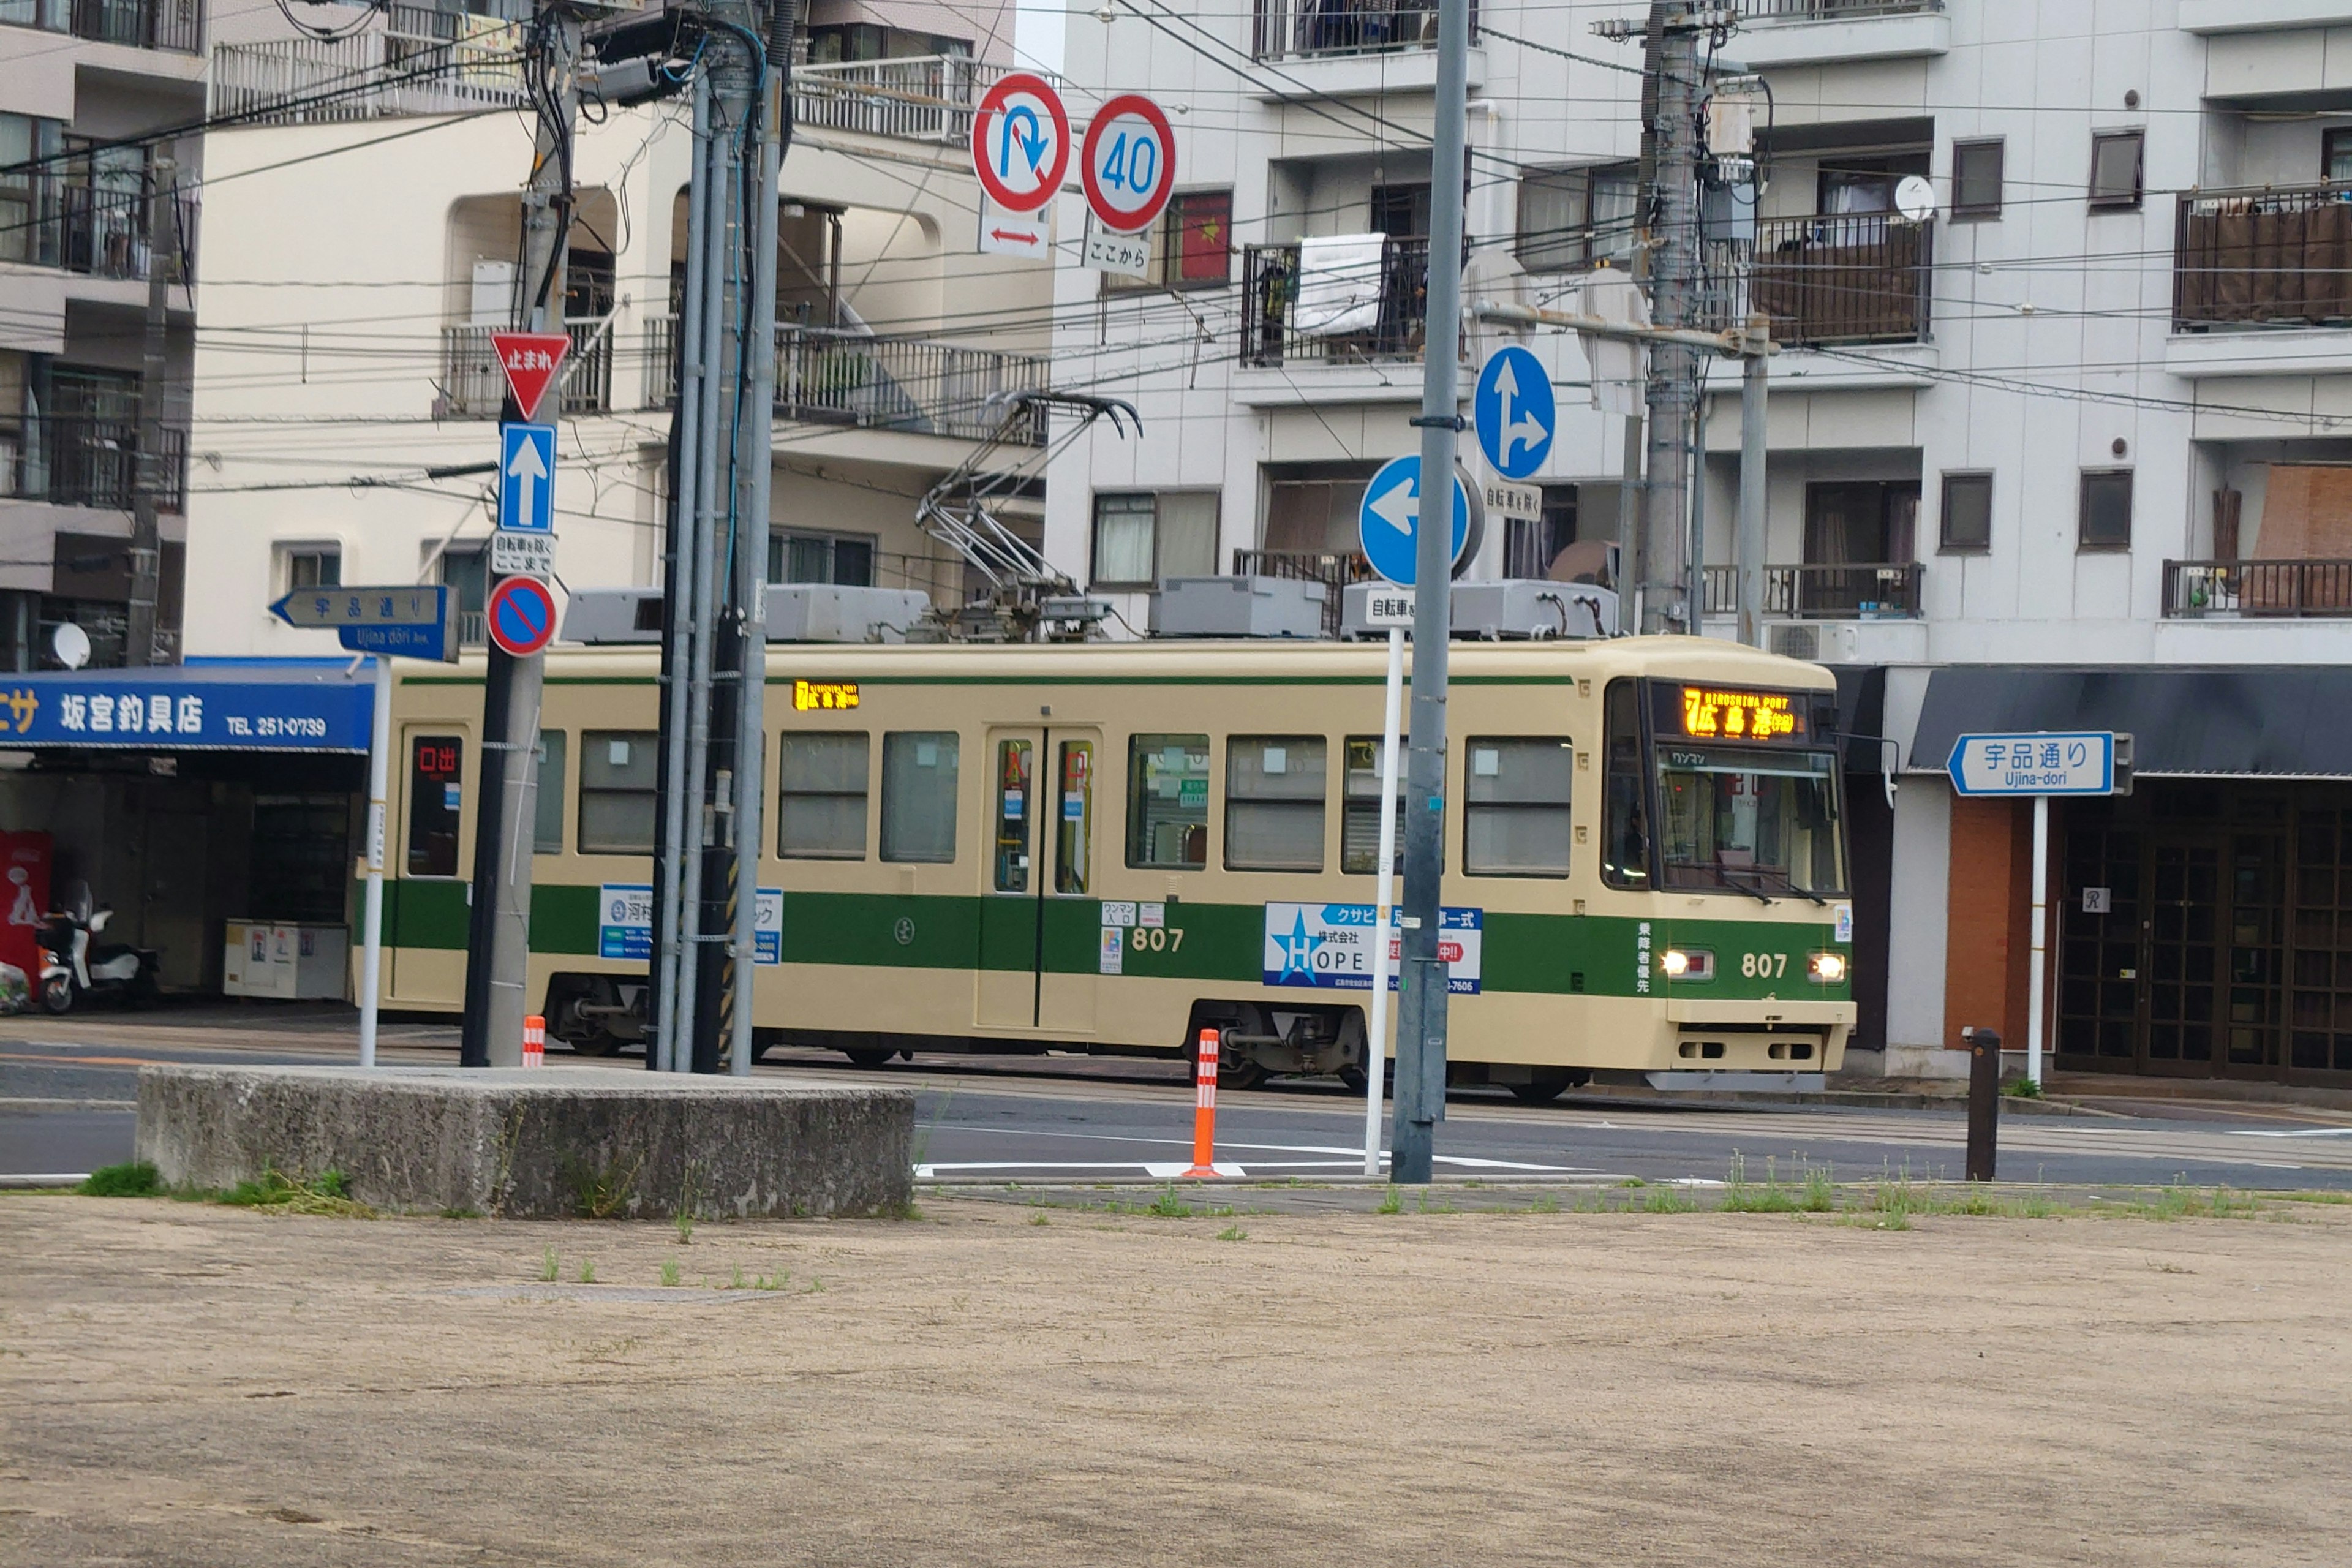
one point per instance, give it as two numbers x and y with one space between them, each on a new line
534 1145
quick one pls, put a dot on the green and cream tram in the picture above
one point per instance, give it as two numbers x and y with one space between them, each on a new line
1107 848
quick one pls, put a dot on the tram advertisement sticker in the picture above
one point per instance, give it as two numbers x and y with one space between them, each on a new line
1329 947
625 922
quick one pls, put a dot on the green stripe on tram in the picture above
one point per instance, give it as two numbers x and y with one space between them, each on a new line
1528 953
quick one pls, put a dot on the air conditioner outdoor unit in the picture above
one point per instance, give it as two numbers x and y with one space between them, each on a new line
1794 641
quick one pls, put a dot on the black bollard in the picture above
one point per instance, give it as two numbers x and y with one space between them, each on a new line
1984 1100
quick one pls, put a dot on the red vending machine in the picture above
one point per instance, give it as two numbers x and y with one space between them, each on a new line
25 894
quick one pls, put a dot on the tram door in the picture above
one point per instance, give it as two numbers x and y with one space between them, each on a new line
1038 924
425 923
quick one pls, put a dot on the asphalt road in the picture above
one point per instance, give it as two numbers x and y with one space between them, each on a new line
66 1090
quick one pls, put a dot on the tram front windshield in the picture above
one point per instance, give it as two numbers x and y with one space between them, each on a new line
1748 819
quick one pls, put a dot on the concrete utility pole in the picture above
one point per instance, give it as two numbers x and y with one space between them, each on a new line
498 945
1422 999
151 480
1671 95
1747 553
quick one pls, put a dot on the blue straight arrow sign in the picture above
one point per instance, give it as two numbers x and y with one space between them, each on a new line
527 479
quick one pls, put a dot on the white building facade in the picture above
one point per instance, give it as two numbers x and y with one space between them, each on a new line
2074 451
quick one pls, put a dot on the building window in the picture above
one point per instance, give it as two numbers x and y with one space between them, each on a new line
821 805
30 217
547 804
2336 155
436 765
618 769
919 796
2115 170
1515 812
311 566
1360 813
1574 217
1968 513
1274 803
1192 244
1976 178
843 559
2106 509
1143 539
1531 544
1315 517
465 570
1168 802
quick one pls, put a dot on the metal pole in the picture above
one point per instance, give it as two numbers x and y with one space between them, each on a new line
146 551
1376 1039
1694 529
1422 998
1755 370
2041 938
677 628
1673 66
379 793
1629 527
754 462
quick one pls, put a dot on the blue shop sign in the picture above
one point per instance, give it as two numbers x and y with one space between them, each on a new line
182 709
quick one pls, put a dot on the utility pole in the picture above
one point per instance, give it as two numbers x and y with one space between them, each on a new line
151 480
1747 552
498 945
1670 139
1421 1002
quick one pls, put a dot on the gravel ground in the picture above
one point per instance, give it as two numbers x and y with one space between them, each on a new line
182 1383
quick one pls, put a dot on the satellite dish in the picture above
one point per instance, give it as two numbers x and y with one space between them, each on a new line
1915 198
71 645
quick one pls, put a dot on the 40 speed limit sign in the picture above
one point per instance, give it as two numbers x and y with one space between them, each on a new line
1127 163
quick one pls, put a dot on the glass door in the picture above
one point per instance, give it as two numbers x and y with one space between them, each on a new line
2184 956
426 917
1012 914
1040 923
1070 934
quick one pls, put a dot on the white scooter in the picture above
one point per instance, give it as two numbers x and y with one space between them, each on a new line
73 964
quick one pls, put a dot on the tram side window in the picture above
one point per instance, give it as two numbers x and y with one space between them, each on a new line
1625 820
1515 812
435 763
1168 802
1274 788
1015 801
919 796
1359 820
547 828
821 809
1074 830
618 769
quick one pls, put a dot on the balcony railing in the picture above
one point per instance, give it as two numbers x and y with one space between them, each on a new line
2276 255
926 98
452 64
139 24
1854 590
1829 10
2250 590
1842 277
67 460
1307 29
829 376
474 387
98 229
1387 326
1334 572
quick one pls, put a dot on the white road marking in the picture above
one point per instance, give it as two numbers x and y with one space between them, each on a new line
2299 1133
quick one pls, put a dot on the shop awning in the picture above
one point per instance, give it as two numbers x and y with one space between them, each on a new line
262 705
2234 722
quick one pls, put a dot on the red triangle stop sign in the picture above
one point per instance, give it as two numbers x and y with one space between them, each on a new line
530 361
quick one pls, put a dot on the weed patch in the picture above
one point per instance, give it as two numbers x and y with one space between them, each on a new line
135 1179
1233 1233
328 1192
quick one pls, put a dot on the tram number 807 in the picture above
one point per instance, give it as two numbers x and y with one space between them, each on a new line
1764 965
1157 939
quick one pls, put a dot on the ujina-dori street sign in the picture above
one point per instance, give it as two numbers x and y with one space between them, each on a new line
405 604
2037 762
527 478
1388 521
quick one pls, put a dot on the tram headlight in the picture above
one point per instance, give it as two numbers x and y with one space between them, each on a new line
1687 963
1829 968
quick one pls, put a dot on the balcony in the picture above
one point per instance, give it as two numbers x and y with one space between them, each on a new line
828 376
1781 33
474 387
1384 321
2272 255
174 25
1844 277
2258 15
99 230
1334 572
425 62
79 460
1850 591
2257 590
1322 29
926 98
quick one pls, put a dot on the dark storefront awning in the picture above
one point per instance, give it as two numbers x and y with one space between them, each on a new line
261 705
2242 721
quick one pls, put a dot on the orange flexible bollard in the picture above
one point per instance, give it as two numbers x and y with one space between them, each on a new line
1205 1110
534 1041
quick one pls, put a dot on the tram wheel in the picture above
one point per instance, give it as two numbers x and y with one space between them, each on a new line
1543 1088
868 1055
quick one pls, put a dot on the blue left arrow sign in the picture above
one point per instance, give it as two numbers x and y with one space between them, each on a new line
527 479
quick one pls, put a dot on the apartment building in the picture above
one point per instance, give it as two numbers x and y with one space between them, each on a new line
2073 451
82 82
347 396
